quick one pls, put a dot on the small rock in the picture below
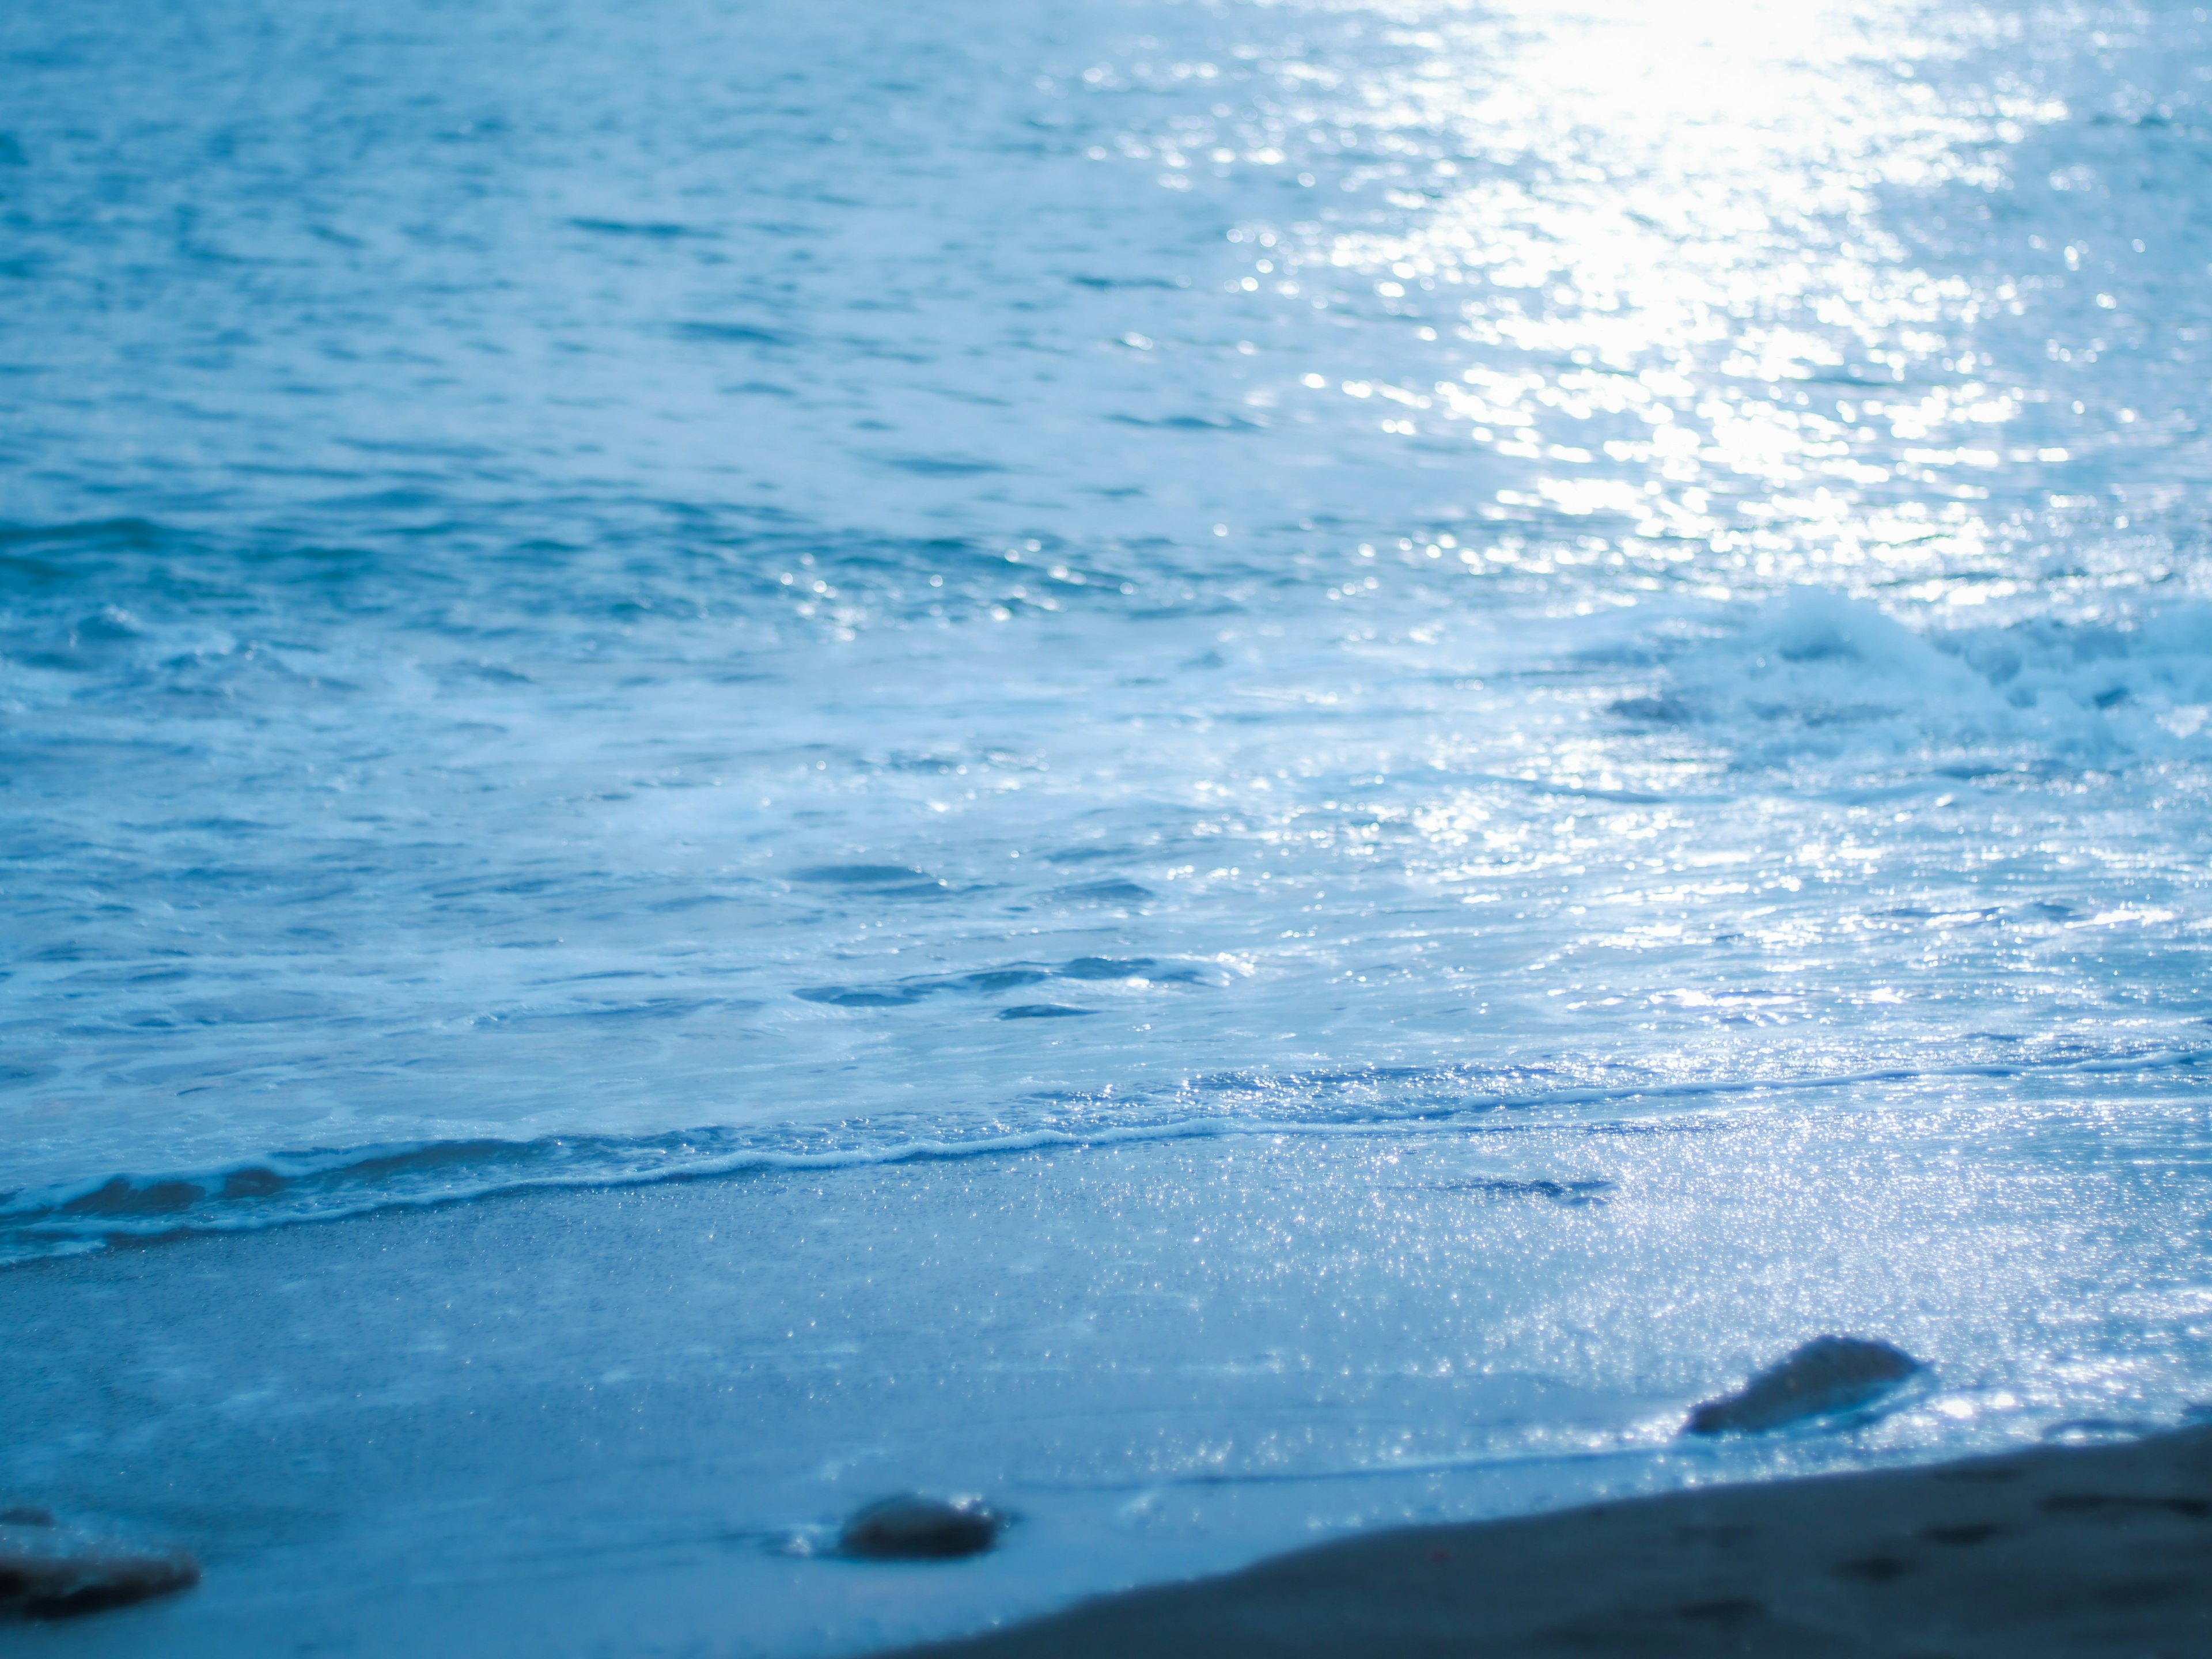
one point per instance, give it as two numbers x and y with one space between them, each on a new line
1829 1374
912 1528
52 1571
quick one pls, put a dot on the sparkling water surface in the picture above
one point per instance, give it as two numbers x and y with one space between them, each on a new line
1307 756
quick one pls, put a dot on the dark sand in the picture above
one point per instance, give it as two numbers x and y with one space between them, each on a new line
2078 1550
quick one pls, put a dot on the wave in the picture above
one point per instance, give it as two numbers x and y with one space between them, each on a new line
595 560
290 1188
1815 675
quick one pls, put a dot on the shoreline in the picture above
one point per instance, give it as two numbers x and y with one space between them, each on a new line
2058 1550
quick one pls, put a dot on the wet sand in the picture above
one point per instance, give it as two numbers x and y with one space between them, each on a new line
2072 1550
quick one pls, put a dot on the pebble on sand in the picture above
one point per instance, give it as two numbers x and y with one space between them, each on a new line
1828 1375
48 1571
914 1529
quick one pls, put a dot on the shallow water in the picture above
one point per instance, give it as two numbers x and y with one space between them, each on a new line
628 1420
925 616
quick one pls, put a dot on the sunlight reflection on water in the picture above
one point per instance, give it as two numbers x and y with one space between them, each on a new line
1519 693
1655 235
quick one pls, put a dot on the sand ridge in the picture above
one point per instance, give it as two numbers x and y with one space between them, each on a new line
2103 1550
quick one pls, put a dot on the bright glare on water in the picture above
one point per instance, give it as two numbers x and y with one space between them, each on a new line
1325 750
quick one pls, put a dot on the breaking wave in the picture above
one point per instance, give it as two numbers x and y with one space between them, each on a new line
1815 675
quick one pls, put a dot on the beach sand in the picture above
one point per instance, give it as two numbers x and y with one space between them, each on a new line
2076 1550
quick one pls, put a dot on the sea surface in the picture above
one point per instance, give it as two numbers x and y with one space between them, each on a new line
1236 767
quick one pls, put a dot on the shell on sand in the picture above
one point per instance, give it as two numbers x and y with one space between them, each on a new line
1829 1374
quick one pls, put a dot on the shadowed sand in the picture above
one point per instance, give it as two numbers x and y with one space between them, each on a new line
2098 1550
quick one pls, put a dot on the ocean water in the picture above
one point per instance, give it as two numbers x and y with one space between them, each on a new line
1237 768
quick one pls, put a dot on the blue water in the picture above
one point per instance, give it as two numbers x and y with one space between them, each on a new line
844 613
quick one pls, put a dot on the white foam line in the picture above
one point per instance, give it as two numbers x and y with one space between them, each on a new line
1692 1455
55 1233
